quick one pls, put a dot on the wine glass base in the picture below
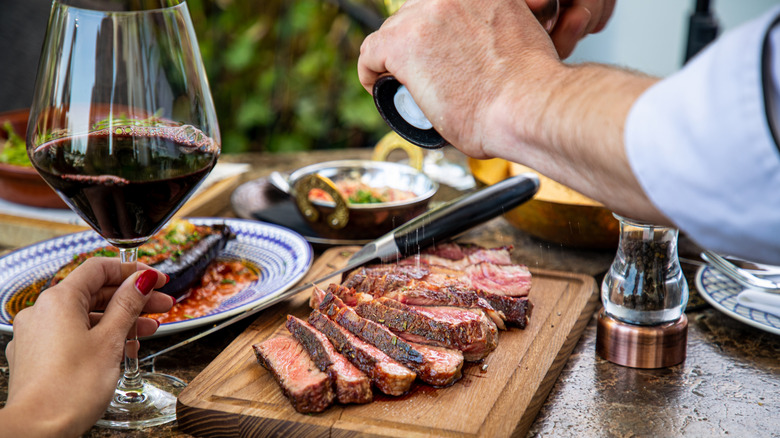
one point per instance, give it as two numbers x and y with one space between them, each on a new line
155 404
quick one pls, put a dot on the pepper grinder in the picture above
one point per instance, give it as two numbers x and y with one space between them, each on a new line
401 112
642 324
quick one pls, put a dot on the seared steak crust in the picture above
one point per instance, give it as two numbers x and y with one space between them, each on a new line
517 310
389 376
351 384
462 329
307 388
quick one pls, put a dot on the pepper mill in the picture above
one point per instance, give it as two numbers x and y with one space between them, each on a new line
642 324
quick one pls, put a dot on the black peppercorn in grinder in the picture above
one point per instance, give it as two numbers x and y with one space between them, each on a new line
400 111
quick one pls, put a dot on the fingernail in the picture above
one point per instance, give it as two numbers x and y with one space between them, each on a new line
146 281
158 323
167 278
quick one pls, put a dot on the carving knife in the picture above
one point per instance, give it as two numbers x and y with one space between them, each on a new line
436 225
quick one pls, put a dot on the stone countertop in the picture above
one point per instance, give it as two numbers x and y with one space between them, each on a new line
729 383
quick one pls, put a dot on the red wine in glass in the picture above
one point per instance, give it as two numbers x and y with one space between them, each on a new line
127 191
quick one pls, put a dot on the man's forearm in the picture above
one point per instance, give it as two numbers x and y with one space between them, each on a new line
577 136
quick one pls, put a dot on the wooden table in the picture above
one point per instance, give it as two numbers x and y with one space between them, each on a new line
729 383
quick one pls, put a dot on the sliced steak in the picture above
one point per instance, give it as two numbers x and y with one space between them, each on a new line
351 384
436 285
389 376
436 366
466 330
307 388
406 285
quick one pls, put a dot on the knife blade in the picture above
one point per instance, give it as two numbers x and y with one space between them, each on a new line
438 224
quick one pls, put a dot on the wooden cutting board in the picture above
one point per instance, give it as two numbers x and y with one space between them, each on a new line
235 396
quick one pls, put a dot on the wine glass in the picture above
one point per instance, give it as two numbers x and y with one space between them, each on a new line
123 127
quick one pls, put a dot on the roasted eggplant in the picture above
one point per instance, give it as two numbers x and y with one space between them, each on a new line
181 250
186 270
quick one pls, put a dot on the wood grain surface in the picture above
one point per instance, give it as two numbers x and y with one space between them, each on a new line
235 396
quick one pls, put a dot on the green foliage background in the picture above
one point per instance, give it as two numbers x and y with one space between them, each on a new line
283 73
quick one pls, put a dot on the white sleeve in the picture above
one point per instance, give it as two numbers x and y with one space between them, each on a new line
703 148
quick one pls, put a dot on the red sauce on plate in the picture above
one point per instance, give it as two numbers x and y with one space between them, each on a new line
222 280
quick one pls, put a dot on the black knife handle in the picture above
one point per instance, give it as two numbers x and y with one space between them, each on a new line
460 214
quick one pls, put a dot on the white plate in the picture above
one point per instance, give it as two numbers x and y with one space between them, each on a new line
282 257
721 292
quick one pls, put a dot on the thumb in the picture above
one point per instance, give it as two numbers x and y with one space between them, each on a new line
128 302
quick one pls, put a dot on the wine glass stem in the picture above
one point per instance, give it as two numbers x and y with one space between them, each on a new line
131 381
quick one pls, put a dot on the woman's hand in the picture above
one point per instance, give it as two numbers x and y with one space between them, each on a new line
64 359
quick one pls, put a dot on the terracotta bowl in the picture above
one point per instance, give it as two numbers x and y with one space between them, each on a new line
557 213
360 221
19 184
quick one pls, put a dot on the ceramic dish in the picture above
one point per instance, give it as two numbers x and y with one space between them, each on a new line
282 258
22 184
721 292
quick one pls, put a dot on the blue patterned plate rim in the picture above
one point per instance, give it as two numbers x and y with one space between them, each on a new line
721 292
281 256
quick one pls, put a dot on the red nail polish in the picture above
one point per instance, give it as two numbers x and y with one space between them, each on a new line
158 323
146 281
167 278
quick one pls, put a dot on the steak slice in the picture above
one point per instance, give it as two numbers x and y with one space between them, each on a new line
517 310
389 376
436 366
349 296
497 278
466 330
470 253
351 384
307 388
507 280
458 256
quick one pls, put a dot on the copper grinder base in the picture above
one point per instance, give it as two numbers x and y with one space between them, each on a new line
638 346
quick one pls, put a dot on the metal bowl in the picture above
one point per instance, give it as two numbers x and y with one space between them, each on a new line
22 184
344 220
